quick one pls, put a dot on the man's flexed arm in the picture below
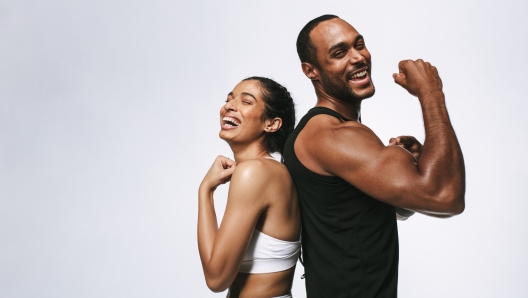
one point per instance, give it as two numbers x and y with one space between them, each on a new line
441 157
433 185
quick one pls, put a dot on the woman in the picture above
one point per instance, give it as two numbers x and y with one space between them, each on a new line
255 250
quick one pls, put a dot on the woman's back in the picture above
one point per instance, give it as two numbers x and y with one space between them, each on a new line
280 224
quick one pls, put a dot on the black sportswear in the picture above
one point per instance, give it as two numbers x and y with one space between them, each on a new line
349 240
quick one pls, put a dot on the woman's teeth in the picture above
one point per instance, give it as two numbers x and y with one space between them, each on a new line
231 121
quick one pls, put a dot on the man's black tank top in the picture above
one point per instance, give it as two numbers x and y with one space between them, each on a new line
349 240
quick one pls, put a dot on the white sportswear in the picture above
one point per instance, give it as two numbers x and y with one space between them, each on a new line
266 254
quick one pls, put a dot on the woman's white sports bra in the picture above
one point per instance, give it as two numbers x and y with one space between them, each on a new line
266 254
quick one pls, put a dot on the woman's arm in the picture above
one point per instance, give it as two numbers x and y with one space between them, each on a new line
222 249
219 173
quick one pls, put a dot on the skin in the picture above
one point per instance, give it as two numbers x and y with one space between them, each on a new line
413 146
428 179
261 195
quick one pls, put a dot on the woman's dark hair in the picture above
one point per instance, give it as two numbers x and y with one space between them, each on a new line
277 103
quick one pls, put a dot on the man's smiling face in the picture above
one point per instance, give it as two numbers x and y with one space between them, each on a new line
344 61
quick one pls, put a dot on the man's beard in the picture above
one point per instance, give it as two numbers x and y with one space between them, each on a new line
341 90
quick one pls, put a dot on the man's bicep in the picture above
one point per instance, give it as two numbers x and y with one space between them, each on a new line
385 173
345 151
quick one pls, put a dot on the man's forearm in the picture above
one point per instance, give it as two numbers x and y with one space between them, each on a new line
441 163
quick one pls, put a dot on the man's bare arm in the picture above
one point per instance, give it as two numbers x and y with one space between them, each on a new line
441 156
414 147
434 185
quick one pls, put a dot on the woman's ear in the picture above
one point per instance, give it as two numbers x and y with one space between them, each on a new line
272 125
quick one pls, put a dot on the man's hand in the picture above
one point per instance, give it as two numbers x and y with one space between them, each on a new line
418 77
408 143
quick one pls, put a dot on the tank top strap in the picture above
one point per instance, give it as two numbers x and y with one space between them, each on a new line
317 111
289 151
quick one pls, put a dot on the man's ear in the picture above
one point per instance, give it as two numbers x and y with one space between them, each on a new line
272 125
310 71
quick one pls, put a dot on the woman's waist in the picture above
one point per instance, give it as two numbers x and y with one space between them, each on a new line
266 285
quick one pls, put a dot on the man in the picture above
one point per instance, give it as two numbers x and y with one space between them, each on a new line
348 181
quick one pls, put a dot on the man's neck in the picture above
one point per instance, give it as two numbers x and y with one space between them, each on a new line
348 109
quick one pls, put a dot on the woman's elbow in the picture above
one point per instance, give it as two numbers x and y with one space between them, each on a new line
216 284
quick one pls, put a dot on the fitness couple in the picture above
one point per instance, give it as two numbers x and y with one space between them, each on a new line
338 190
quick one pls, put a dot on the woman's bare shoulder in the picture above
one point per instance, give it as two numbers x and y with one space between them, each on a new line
260 172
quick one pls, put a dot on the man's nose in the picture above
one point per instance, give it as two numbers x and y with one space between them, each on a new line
356 57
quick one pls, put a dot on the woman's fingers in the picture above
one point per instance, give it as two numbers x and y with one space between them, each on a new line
227 173
219 173
228 163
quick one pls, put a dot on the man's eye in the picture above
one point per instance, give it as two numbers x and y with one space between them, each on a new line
339 54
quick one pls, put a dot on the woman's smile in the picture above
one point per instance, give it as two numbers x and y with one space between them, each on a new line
229 122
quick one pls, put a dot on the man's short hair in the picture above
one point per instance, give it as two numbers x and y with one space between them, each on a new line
305 48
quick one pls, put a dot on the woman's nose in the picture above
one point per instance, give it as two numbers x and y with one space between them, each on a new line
230 105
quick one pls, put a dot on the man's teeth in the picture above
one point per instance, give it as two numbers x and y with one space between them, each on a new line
231 121
359 74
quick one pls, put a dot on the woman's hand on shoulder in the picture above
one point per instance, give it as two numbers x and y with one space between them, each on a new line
243 209
219 173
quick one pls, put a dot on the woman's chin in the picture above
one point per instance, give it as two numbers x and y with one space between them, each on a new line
224 135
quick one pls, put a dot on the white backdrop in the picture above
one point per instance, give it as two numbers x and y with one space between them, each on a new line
109 120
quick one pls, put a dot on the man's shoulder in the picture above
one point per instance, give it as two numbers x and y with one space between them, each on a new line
326 128
327 142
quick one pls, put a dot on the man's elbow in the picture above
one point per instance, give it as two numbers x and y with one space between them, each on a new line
458 206
451 204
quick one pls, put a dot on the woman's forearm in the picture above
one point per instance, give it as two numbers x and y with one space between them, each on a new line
214 270
207 226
